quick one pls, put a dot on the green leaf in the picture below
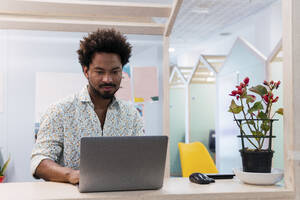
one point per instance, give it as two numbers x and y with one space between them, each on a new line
262 115
257 133
234 108
280 111
4 167
250 99
259 89
265 126
257 106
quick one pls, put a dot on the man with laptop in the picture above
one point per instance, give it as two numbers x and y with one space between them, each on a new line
90 114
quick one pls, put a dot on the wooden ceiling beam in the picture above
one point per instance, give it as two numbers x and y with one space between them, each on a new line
172 18
203 82
214 57
90 18
277 59
76 25
84 8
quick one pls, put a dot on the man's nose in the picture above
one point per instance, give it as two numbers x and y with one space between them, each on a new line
107 78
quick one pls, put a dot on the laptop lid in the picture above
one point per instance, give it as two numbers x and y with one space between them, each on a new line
122 163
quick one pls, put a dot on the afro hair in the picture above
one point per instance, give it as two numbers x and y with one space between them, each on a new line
103 40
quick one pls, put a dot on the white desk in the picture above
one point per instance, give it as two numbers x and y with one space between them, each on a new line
174 188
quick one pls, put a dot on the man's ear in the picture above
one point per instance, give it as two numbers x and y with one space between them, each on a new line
85 71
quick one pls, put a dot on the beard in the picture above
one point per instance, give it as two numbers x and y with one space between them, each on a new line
103 95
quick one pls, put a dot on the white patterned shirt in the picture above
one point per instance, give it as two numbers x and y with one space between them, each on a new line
65 122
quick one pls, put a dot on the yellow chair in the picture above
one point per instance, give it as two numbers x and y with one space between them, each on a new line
194 157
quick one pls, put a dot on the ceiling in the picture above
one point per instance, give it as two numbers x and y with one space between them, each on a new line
198 19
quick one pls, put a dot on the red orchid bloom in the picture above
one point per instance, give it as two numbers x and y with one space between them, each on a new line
275 100
266 98
239 87
246 80
277 84
233 93
269 98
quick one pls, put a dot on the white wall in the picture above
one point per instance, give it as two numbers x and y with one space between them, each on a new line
3 85
22 54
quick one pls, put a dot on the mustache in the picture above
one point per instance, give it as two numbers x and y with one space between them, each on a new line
107 85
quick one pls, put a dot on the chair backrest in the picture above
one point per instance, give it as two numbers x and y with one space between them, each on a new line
194 157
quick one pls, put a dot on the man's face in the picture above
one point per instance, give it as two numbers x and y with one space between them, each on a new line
104 74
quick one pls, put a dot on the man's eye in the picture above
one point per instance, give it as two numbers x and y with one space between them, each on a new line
115 72
100 72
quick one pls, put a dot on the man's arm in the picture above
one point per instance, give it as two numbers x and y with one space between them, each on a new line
51 171
48 149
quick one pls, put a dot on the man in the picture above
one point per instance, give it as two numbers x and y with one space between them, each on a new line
92 112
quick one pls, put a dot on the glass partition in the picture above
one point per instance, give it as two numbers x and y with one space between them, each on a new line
243 61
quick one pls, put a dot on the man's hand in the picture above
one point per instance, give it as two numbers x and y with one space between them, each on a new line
73 177
51 171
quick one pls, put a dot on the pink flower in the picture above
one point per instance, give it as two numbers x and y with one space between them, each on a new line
275 100
239 92
266 82
233 93
269 98
239 87
277 84
266 98
246 80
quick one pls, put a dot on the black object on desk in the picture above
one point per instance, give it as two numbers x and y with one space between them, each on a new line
200 178
221 176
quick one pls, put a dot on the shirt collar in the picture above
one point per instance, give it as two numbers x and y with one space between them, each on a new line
84 96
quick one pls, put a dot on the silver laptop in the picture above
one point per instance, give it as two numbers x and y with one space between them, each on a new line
122 163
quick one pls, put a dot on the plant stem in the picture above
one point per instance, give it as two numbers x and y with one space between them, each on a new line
247 120
268 113
243 131
256 128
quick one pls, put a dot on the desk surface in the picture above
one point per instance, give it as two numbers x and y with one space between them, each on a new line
174 188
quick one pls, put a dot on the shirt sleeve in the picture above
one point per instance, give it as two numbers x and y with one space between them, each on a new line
138 125
49 142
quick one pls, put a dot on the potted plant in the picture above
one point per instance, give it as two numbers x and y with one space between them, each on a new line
2 170
254 117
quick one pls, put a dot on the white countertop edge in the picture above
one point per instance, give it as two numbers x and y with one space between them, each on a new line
174 189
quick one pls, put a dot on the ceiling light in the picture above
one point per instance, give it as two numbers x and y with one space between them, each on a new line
210 79
200 10
225 33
